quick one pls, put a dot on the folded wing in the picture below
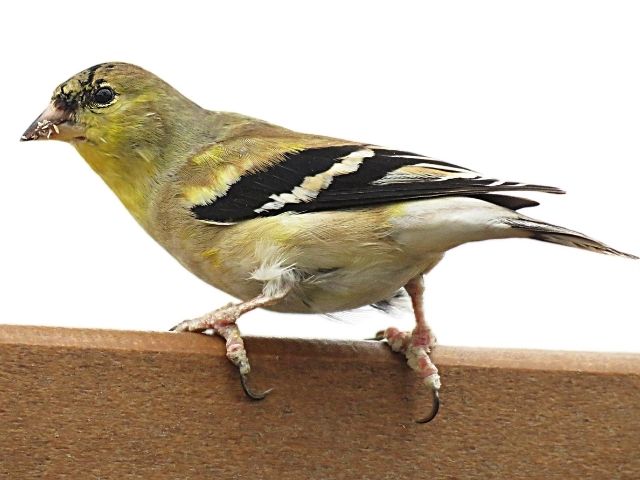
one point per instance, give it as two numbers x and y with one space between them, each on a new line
340 177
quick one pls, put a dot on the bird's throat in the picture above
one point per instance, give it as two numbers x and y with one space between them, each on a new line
132 183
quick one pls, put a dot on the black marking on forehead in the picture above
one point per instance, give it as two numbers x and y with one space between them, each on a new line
91 72
70 99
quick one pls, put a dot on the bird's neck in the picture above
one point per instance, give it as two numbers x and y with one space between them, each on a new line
134 168
133 185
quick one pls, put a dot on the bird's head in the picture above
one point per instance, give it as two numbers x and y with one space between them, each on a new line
123 120
110 106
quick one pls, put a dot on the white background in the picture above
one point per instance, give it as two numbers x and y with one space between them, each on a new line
542 92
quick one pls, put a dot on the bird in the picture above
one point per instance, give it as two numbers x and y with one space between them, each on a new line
282 220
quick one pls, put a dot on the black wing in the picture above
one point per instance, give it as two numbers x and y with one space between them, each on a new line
351 176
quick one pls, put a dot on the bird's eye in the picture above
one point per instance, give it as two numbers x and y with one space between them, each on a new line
104 96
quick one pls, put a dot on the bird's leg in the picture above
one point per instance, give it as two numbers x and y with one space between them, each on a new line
417 345
223 323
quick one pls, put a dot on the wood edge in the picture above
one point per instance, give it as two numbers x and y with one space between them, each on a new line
362 351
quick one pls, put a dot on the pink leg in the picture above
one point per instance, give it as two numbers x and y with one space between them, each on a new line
223 323
417 345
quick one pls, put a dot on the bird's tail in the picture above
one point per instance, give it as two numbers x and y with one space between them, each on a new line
562 236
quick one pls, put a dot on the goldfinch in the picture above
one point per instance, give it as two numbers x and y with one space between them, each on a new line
283 220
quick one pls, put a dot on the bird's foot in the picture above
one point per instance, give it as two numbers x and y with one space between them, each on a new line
223 323
416 346
223 315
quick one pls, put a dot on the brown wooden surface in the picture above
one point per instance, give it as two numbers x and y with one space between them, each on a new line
84 404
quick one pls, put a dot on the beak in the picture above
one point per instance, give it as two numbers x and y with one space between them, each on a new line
54 123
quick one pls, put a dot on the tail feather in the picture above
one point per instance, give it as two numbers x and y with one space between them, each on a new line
562 236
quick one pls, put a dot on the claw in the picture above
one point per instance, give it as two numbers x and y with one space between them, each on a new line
434 408
379 336
180 327
194 326
250 393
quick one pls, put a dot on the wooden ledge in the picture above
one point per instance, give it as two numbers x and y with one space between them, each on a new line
112 404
